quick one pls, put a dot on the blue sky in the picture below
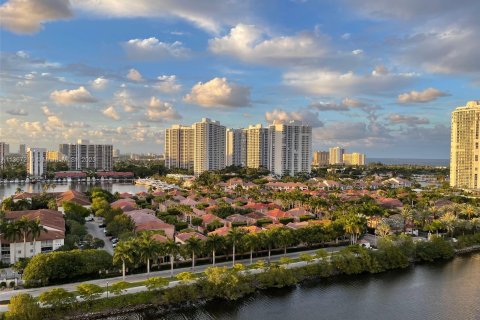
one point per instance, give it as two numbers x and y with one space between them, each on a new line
373 76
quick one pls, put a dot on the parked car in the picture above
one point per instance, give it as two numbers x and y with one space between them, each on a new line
89 219
114 240
114 245
103 225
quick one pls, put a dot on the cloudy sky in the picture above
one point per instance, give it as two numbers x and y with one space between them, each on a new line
375 76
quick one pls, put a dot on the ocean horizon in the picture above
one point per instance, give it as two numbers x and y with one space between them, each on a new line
420 162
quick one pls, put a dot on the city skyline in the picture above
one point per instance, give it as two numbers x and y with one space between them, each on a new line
376 77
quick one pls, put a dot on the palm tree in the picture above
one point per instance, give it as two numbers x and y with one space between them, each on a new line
251 242
35 230
123 253
24 227
12 233
469 211
171 248
382 230
194 245
148 249
215 243
234 237
268 239
407 214
285 238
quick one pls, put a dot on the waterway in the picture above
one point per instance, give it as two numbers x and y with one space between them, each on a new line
441 291
8 189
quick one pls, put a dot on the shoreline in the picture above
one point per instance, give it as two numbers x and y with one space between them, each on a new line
159 309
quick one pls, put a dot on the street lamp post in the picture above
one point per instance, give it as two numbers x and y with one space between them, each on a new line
107 289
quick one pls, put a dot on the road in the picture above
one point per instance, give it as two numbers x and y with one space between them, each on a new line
95 231
4 296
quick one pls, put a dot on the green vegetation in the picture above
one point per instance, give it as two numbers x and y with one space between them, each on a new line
66 266
233 283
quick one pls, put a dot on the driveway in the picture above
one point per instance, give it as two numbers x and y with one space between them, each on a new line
94 230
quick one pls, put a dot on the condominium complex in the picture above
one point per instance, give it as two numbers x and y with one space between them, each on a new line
354 159
464 152
289 148
282 148
257 146
4 151
179 147
36 162
83 155
335 155
236 148
209 146
320 158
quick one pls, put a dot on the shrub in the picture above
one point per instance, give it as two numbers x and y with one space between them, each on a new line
64 266
23 307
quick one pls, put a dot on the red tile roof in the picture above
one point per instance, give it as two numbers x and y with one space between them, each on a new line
51 220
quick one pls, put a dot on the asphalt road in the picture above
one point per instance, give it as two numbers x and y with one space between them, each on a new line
6 295
94 230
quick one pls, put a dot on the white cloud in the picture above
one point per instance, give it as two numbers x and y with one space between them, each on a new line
219 93
80 95
209 15
134 75
153 49
303 115
27 16
46 111
346 36
167 84
357 51
409 120
250 43
99 83
325 82
426 95
111 113
158 110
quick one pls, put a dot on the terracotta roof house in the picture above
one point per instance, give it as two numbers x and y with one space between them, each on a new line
277 214
256 206
189 202
49 240
125 195
159 237
183 237
223 231
397 182
209 218
23 196
251 229
297 225
286 186
145 219
70 174
296 213
389 203
124 204
73 196
238 218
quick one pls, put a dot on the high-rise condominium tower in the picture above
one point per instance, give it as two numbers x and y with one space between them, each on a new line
179 147
22 149
290 148
236 148
4 151
354 159
320 158
84 155
336 155
36 162
257 146
209 146
464 149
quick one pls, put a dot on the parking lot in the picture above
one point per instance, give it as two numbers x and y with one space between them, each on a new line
95 231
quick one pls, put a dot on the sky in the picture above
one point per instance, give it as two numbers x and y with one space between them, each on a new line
373 76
